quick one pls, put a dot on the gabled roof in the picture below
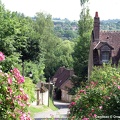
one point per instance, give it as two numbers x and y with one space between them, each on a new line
66 85
101 44
43 89
112 38
61 76
41 86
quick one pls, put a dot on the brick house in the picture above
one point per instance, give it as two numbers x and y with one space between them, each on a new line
104 47
62 82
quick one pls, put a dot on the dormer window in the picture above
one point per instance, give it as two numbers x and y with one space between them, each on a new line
103 50
105 56
105 53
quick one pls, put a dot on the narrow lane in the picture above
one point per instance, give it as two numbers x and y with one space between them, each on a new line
60 113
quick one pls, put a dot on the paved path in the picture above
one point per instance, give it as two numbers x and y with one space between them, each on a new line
60 113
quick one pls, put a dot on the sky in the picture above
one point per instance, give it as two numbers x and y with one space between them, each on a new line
107 9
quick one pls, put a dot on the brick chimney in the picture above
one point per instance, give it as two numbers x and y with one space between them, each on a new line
96 27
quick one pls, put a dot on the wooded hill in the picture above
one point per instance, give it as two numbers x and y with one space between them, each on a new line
67 29
113 24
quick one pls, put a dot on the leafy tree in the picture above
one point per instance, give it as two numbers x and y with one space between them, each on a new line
43 26
7 31
34 71
82 2
29 89
65 29
61 55
55 51
69 34
81 49
31 44
64 53
19 41
110 25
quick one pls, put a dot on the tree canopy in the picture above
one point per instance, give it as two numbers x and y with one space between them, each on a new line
81 48
31 45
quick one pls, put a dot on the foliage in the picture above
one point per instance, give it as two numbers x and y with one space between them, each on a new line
59 54
13 99
77 83
29 89
31 45
81 49
52 48
42 108
10 62
34 71
51 105
6 39
82 2
65 29
99 97
111 24
64 53
37 109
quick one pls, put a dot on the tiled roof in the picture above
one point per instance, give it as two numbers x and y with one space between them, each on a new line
66 85
100 44
112 38
61 76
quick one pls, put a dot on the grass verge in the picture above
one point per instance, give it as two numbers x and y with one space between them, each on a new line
36 109
51 105
41 108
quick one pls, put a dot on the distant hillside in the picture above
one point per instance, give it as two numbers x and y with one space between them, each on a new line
113 24
67 29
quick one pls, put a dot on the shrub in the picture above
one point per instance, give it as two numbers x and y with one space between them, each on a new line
99 97
29 89
13 99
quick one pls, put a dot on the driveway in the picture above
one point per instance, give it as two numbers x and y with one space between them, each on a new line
60 113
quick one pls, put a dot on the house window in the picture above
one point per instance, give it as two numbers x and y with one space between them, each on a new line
105 56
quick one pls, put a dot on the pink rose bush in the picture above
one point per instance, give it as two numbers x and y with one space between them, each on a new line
100 96
17 75
13 100
2 56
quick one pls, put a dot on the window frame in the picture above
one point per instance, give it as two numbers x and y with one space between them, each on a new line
105 56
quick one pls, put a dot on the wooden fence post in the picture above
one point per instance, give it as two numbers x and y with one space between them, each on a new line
48 93
38 96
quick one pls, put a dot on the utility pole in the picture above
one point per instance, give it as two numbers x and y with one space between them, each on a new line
48 92
23 68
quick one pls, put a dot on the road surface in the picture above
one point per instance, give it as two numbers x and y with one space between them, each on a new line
60 113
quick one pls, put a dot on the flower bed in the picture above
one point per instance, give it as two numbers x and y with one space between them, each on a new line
13 99
99 97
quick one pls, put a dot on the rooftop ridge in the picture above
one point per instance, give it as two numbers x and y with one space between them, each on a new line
111 31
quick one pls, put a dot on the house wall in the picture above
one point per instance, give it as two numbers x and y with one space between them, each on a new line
44 98
65 97
96 57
